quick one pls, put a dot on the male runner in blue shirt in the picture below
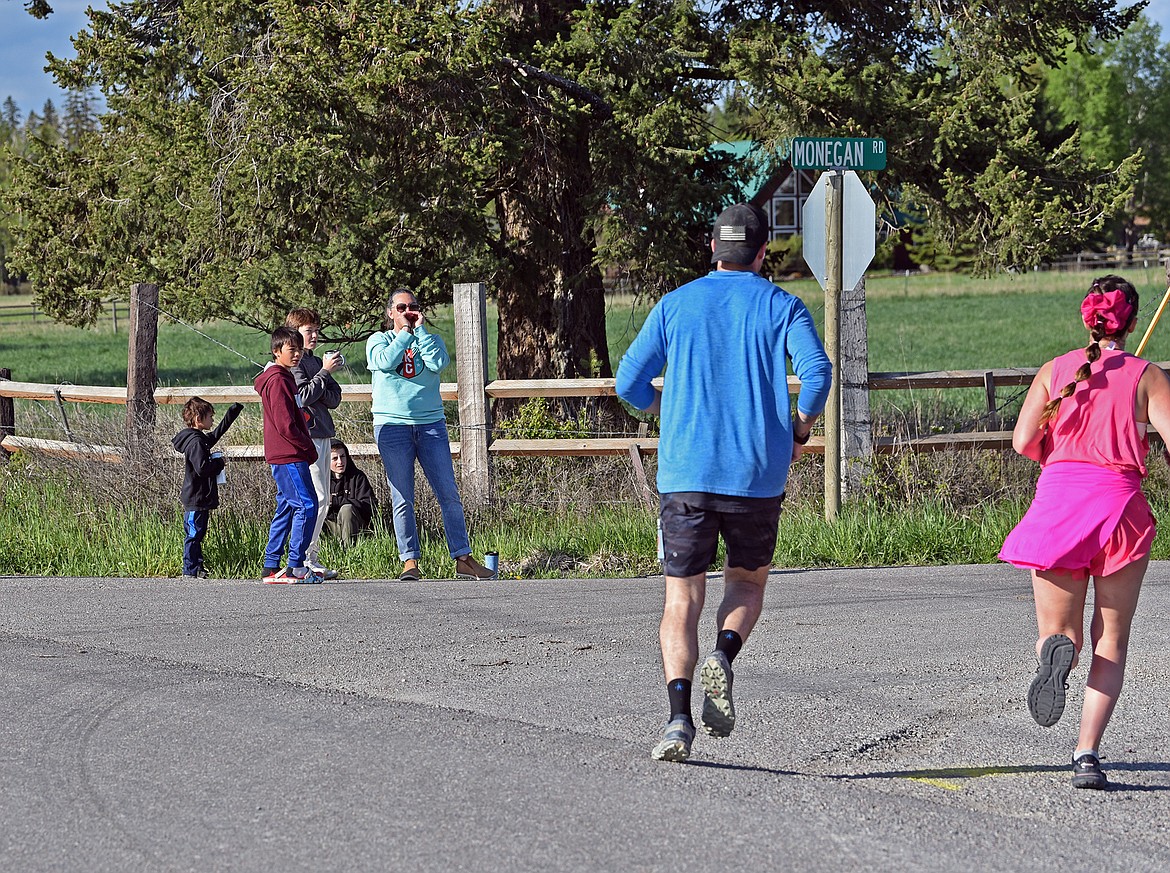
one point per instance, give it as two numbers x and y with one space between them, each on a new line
728 437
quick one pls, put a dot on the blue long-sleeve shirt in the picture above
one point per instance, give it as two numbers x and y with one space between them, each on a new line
725 340
404 370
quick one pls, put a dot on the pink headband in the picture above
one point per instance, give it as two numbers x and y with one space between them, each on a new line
1111 306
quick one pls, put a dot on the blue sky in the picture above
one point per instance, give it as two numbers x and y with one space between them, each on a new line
25 41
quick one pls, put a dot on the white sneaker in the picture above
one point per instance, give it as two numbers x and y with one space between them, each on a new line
323 572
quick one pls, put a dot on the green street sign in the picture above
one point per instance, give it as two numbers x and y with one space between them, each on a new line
824 153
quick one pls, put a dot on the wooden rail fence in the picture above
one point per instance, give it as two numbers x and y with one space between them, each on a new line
988 380
32 312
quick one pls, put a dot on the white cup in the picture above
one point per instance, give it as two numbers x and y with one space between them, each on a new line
221 478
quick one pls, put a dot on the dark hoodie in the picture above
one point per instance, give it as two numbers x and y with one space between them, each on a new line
286 432
352 488
200 491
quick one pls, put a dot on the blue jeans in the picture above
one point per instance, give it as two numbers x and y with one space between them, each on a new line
195 526
399 445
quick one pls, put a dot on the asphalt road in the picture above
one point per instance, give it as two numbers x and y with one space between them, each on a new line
435 726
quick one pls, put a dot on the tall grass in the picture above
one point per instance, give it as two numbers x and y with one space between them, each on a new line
52 527
56 527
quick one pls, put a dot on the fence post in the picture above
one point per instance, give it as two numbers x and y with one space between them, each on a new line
7 415
475 429
141 367
856 438
642 482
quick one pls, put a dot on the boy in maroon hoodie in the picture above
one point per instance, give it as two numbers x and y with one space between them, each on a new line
289 449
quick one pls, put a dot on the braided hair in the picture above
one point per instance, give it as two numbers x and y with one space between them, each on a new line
1109 311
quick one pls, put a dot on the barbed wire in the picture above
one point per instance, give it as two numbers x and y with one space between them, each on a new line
194 329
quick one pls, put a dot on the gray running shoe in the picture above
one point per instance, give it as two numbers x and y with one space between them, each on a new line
1046 694
676 741
718 716
321 570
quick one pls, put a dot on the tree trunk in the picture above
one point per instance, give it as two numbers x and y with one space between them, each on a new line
551 300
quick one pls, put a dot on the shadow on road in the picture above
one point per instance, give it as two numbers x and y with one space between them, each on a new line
945 777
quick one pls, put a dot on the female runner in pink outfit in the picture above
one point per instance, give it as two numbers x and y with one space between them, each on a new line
1084 420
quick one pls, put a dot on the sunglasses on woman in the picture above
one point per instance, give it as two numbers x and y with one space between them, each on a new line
404 307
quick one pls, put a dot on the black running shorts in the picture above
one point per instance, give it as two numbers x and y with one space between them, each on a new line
692 524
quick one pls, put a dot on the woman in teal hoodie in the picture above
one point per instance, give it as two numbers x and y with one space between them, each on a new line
405 361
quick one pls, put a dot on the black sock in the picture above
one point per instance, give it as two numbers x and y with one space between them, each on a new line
679 692
729 643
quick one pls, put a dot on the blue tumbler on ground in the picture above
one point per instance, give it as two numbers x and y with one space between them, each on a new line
491 560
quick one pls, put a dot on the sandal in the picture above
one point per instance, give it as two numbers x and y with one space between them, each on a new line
410 571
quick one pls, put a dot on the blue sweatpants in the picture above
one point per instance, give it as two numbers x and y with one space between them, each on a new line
296 514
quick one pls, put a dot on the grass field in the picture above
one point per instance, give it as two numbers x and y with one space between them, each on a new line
918 323
568 517
922 322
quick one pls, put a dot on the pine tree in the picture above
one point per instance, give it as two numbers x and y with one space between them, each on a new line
80 118
263 155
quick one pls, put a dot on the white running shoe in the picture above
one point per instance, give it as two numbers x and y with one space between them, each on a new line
323 572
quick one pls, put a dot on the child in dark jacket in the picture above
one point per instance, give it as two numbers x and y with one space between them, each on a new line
200 493
289 450
351 497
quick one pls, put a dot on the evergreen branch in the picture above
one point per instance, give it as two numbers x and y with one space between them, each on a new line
602 107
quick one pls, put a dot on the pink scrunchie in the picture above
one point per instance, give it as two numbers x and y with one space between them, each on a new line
1111 306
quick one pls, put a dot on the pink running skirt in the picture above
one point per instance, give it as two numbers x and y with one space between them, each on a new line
1084 520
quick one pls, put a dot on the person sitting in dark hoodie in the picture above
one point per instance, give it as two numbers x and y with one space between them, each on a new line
351 497
200 492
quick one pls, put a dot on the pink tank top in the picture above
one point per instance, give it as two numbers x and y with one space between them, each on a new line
1096 425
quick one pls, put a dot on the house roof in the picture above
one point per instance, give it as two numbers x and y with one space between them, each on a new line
759 169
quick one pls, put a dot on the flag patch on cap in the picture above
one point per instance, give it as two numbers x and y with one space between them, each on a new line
733 232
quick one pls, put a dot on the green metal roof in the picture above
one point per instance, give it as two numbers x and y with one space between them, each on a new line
755 164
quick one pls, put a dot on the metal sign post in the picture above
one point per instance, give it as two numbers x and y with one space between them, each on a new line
839 243
834 207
